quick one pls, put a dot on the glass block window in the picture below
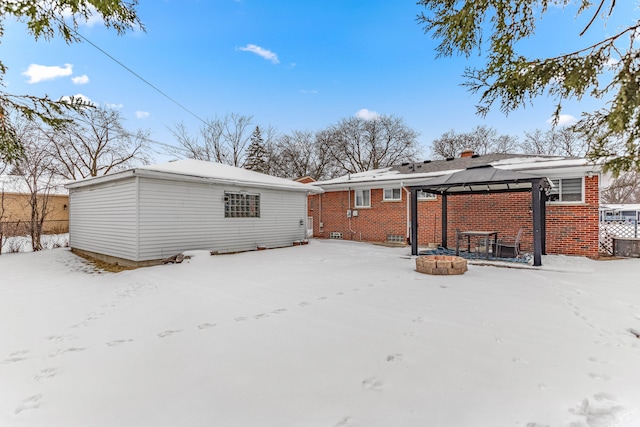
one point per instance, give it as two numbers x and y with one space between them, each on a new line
392 194
566 190
363 198
241 205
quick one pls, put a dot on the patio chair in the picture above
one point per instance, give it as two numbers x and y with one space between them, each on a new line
509 248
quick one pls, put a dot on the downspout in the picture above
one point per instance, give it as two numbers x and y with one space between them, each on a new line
320 224
408 231
349 219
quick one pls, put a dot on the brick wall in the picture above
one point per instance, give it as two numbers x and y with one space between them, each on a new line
571 229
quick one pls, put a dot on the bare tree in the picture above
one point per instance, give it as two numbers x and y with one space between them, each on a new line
624 189
3 168
36 165
300 154
236 135
482 140
554 142
96 143
220 140
358 144
450 144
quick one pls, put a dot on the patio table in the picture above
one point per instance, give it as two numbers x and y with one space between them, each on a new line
469 234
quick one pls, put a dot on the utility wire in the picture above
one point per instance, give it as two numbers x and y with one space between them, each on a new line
134 73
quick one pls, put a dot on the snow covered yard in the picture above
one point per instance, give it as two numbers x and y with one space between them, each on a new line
327 334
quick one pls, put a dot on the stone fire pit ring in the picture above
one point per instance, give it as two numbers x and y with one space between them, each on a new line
441 265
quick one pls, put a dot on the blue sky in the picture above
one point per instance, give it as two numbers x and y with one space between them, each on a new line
291 64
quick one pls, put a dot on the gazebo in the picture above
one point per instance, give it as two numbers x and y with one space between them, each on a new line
482 180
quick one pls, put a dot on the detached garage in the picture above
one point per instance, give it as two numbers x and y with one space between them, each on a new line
140 216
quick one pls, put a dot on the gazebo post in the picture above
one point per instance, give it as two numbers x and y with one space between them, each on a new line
543 210
444 220
414 221
537 223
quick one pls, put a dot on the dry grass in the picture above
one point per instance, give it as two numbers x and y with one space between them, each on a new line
104 266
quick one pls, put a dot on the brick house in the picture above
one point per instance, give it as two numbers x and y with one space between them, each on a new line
375 206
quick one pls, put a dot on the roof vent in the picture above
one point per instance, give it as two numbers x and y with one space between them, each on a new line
450 158
427 161
475 156
405 164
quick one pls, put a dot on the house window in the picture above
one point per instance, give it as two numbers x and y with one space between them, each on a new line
423 195
363 198
392 194
241 205
566 190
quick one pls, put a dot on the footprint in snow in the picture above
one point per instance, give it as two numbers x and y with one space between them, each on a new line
304 304
32 402
61 338
241 319
599 377
118 342
66 350
373 384
279 311
343 422
46 373
16 356
397 357
168 333
260 316
206 325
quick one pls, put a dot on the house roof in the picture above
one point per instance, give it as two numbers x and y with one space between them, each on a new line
410 173
198 170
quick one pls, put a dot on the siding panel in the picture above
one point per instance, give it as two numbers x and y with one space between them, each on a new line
178 216
102 219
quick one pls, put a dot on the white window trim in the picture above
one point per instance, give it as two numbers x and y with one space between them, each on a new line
355 199
384 194
571 202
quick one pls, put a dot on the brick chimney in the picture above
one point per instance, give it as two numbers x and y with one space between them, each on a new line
467 153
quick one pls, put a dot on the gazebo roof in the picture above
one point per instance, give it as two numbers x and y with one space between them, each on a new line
481 179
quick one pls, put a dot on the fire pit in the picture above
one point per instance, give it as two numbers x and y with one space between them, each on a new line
441 265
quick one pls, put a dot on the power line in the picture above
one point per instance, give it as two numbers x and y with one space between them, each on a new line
134 73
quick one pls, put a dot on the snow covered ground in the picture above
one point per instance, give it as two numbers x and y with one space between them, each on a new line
328 334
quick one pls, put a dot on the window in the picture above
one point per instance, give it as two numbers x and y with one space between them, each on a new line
392 194
423 195
363 198
241 205
566 190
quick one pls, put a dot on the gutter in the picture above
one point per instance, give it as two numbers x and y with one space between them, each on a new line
191 178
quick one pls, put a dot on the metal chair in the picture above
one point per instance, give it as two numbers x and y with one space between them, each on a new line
509 249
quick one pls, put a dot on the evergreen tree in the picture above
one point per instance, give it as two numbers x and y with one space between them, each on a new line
257 155
605 67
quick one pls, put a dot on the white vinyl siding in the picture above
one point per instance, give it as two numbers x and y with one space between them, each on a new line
179 216
567 190
362 198
392 194
144 219
103 219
